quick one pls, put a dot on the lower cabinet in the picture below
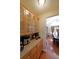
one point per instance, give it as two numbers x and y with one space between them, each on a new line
35 52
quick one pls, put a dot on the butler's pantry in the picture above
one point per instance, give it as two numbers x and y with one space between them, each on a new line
39 29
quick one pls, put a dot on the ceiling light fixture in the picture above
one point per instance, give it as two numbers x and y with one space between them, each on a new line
41 2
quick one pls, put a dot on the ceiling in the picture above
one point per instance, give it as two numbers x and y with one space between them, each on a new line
50 8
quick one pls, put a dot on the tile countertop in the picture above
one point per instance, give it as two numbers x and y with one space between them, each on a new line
29 46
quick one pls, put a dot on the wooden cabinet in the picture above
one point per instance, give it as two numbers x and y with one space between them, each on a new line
28 22
35 52
39 50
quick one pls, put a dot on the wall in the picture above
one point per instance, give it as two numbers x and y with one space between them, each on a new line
42 30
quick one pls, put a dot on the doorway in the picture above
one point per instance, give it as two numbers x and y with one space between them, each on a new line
52 37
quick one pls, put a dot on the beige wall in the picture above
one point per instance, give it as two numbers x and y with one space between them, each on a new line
42 30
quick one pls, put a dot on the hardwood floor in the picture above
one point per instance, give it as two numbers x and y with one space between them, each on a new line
56 49
52 50
44 55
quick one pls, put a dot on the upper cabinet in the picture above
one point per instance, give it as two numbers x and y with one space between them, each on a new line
29 23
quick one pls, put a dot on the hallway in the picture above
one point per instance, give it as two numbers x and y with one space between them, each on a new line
52 50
